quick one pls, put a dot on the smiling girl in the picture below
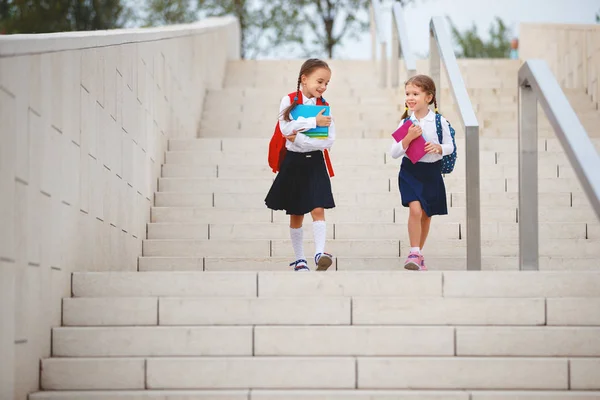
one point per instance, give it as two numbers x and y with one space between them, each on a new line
421 184
302 185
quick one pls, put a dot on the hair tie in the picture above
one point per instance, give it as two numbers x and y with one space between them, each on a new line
436 110
405 108
296 98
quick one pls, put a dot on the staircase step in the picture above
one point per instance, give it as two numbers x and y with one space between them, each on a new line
258 394
254 311
152 341
93 373
155 284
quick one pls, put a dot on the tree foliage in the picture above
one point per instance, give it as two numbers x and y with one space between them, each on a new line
264 25
332 21
471 45
43 16
167 12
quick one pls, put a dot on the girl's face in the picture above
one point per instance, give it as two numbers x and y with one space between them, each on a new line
416 98
315 84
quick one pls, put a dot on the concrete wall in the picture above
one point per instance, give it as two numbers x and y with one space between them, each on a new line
84 122
572 51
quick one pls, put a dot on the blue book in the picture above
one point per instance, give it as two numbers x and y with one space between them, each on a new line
309 111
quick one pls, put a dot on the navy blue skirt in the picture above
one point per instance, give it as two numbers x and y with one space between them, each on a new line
423 182
301 185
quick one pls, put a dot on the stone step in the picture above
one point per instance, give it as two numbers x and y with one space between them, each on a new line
366 230
346 199
382 184
357 263
498 373
356 283
362 310
355 248
257 394
152 341
343 172
333 341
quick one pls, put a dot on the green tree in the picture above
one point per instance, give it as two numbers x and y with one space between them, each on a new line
598 17
165 12
264 25
43 16
332 21
471 45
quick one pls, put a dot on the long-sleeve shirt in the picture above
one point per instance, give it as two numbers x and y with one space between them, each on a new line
427 124
303 143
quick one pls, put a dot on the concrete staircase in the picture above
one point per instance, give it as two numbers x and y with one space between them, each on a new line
214 312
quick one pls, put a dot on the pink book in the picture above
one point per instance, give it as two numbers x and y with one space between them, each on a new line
416 148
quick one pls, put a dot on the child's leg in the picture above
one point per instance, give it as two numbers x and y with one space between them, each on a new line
297 235
425 223
414 223
319 229
322 259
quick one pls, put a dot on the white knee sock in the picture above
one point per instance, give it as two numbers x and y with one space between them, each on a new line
297 234
320 233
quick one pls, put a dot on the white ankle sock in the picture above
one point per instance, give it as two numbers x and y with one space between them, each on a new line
320 233
296 234
415 250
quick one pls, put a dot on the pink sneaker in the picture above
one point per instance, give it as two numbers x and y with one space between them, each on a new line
413 261
422 267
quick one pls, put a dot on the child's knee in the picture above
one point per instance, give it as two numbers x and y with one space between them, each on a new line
318 214
415 209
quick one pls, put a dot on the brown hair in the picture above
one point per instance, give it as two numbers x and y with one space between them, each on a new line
424 83
307 68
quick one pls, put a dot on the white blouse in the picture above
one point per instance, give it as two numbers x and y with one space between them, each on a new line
303 143
427 124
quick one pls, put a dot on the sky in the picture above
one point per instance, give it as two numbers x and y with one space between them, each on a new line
482 12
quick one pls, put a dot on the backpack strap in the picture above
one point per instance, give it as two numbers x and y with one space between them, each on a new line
438 127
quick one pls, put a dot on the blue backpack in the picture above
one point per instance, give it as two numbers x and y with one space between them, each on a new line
449 160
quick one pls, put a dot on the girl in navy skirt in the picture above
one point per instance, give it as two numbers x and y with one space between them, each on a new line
421 184
302 185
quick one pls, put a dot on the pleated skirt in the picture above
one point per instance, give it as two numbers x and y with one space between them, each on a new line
301 185
423 182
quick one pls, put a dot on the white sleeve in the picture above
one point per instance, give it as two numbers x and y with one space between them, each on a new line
397 150
301 124
447 145
306 143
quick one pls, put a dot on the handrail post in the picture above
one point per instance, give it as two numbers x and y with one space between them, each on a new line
441 50
383 65
528 179
373 32
394 64
434 64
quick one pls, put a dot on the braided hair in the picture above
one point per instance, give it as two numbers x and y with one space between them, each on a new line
426 84
306 69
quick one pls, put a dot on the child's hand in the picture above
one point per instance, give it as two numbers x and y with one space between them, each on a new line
292 137
433 148
414 132
322 120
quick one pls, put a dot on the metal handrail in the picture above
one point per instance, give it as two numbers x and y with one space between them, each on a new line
538 84
377 35
441 50
400 47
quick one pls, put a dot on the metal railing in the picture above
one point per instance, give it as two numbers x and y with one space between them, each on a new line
378 36
400 47
441 50
538 84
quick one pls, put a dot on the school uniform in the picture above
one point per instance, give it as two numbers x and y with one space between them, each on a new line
423 180
302 183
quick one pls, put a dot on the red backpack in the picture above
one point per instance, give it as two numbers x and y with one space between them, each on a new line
277 148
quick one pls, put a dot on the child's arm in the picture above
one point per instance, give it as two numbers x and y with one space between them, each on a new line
399 148
306 143
447 145
289 127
